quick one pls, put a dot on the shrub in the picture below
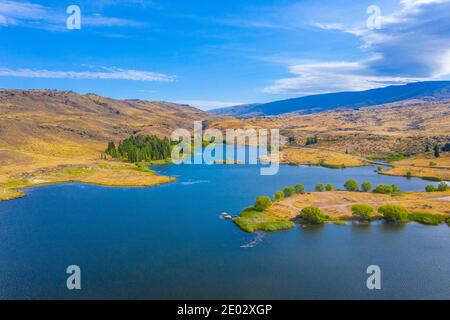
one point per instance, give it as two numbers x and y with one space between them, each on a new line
329 187
299 188
393 213
426 218
366 186
387 189
351 185
395 188
408 174
442 186
320 187
430 188
432 163
313 215
289 191
279 195
362 211
262 203
383 188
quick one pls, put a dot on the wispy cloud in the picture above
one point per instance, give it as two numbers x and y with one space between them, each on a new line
209 104
26 14
108 73
332 76
413 44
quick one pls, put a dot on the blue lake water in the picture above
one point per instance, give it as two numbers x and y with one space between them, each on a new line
169 242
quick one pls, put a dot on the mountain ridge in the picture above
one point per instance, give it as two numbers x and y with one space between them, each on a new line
439 90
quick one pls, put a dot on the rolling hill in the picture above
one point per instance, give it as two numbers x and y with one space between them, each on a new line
49 135
435 90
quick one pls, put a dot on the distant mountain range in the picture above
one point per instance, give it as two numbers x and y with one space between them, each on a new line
439 90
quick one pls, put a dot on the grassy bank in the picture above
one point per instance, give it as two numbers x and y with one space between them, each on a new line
104 173
336 207
251 220
424 166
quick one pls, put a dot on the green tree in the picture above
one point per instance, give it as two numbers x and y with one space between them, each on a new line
387 189
299 188
427 148
437 151
320 187
395 188
313 215
351 185
289 191
362 211
366 186
111 150
329 187
143 148
442 186
430 188
279 195
393 213
262 203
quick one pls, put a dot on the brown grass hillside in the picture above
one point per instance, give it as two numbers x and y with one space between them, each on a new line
373 131
43 130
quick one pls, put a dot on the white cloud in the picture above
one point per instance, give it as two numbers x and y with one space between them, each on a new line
209 104
108 73
413 44
325 77
38 16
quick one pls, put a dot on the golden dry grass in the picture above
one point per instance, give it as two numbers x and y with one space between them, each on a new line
406 126
106 173
310 156
422 166
337 204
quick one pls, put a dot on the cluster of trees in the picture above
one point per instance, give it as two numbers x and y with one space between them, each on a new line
389 212
441 187
288 192
141 148
327 187
311 141
437 149
352 185
387 189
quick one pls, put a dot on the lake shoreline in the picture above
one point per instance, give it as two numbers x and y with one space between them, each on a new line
337 205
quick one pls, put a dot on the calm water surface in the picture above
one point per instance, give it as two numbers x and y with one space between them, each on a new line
169 242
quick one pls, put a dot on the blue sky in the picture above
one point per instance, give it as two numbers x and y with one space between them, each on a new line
219 53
